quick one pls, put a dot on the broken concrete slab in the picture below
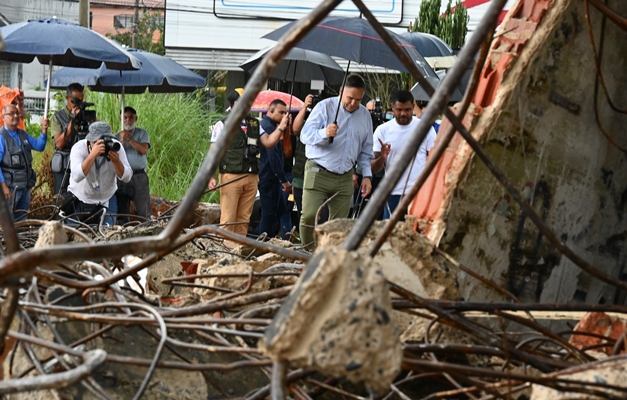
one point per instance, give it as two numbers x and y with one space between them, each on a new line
337 321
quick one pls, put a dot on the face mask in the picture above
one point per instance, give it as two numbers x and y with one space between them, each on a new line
389 117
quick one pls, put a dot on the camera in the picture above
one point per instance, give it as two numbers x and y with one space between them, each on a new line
84 118
110 145
314 102
251 152
377 114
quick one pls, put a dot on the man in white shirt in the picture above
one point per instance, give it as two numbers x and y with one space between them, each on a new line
389 140
95 163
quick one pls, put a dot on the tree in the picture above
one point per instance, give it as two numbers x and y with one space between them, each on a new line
451 27
150 25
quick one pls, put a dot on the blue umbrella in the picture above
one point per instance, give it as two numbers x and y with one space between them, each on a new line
435 50
57 42
158 74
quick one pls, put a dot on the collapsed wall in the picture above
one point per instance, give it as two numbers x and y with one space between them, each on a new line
535 116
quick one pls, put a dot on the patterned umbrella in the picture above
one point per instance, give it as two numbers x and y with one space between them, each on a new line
263 100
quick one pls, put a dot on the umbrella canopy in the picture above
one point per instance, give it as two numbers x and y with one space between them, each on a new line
264 98
435 50
356 40
300 65
158 74
419 93
58 42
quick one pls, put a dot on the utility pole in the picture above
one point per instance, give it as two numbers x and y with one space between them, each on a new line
83 13
135 25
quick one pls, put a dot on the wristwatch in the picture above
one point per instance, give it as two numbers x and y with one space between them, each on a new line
281 129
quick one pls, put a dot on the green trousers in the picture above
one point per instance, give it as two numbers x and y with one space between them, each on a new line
320 185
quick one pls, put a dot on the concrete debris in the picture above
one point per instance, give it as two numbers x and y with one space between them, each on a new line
337 321
50 234
610 372
595 326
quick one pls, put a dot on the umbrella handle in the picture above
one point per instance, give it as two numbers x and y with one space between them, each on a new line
339 103
48 89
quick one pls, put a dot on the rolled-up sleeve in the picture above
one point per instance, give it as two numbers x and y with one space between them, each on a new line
128 172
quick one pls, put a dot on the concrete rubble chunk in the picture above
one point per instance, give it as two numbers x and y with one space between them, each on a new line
600 325
406 259
606 372
50 234
337 320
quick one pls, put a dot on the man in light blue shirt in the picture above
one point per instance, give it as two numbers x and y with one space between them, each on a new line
332 150
16 161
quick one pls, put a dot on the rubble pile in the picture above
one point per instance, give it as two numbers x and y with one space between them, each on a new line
208 321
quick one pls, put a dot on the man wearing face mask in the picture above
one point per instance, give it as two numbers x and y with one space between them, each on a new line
329 168
390 138
136 144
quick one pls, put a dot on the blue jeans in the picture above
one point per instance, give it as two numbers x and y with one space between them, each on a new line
286 217
390 206
272 206
22 202
112 211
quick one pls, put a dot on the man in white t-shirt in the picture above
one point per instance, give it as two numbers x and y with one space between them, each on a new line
389 140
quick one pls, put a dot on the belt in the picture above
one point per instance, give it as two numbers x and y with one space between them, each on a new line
326 170
139 171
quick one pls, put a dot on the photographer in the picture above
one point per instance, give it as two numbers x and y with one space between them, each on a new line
237 198
96 162
63 127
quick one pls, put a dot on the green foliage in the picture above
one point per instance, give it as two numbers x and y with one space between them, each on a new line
381 86
179 130
149 23
450 27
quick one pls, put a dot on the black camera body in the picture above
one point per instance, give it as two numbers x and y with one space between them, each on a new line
377 114
110 145
251 152
84 118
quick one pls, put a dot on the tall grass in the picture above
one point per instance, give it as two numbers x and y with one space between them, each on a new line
179 130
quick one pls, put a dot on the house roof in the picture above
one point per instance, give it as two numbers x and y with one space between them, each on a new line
159 4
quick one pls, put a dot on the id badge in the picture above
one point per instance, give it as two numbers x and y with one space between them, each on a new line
95 186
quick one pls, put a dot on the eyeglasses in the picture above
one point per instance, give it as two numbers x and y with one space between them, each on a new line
12 114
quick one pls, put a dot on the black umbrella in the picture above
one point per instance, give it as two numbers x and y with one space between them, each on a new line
435 50
300 65
57 42
419 93
356 40
159 74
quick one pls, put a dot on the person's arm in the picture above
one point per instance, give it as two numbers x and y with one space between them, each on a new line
120 165
381 153
299 121
314 131
97 149
271 139
62 138
5 188
140 145
39 144
366 147
20 105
